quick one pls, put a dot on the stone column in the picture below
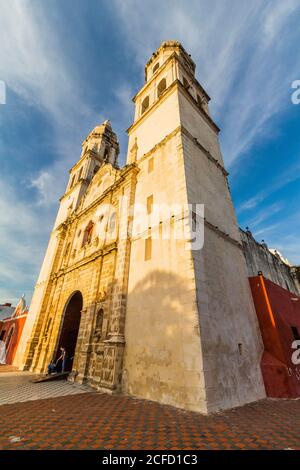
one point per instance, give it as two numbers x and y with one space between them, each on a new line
34 345
84 347
115 343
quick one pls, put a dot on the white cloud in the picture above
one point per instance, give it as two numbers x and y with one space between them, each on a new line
290 175
24 232
277 16
265 230
32 63
224 39
251 203
279 234
43 182
35 67
264 214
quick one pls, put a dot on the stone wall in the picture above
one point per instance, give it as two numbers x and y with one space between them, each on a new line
229 332
259 258
163 360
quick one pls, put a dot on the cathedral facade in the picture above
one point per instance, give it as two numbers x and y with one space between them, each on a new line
139 309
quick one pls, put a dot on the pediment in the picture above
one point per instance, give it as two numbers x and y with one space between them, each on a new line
102 180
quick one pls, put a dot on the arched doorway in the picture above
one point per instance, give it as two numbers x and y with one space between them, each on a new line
70 328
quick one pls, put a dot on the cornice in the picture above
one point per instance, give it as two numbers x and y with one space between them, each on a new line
161 143
196 142
131 169
201 111
183 130
88 154
97 254
175 85
154 77
223 234
81 180
179 59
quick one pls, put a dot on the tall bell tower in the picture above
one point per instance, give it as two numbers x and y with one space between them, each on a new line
192 338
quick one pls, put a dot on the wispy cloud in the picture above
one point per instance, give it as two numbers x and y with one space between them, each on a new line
35 67
36 70
283 234
32 63
265 230
290 175
265 214
242 51
239 55
24 233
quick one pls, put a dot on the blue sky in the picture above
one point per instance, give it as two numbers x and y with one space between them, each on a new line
68 65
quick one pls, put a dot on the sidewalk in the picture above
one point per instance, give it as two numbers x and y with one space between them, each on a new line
92 420
17 387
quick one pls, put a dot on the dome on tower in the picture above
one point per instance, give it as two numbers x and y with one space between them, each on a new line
101 128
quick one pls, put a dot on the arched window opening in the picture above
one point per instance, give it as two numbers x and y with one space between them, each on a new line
161 87
80 173
156 66
87 236
145 104
106 154
99 320
96 169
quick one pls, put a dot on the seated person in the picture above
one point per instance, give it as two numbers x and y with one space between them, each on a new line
60 364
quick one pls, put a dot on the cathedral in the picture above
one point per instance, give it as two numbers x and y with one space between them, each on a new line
139 312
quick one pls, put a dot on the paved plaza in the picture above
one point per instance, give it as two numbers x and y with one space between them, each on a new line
60 415
18 387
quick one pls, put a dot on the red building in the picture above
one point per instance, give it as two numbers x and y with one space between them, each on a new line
11 327
278 312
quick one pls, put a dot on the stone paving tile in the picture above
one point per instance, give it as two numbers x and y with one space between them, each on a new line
17 387
100 421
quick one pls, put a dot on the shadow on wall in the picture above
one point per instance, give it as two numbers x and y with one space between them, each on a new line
162 352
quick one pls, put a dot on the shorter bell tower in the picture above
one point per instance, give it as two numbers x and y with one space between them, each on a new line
100 146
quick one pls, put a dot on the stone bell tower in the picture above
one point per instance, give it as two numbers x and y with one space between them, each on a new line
192 338
100 146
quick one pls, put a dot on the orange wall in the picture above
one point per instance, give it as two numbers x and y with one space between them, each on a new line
6 325
277 312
